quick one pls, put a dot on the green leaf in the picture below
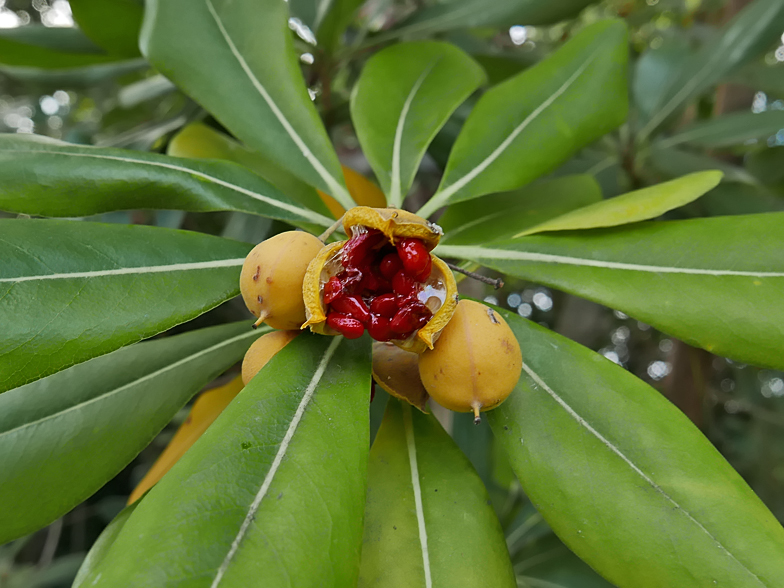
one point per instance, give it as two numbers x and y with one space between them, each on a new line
101 546
728 130
272 494
198 141
75 77
672 162
625 479
761 76
645 204
70 291
653 71
403 97
500 216
528 125
242 49
716 283
749 33
731 198
332 19
112 24
50 178
65 436
49 48
427 511
457 14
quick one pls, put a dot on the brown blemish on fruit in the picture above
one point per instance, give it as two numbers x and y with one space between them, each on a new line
260 299
256 275
269 279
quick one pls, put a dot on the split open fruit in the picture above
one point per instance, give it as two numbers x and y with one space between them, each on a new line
382 280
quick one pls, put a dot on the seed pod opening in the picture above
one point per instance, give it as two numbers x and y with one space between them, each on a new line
383 279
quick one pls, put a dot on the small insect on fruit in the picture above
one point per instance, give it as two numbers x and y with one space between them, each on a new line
475 363
271 278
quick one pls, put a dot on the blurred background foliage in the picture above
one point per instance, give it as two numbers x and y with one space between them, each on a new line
74 72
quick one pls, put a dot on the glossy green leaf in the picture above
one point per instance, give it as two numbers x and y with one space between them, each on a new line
198 141
728 130
70 290
101 546
112 24
528 125
49 48
625 479
404 96
645 204
500 216
457 14
332 19
749 33
672 162
236 58
75 77
51 178
427 520
716 283
65 436
272 494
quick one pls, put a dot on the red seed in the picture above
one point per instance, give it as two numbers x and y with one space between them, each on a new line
390 265
352 306
332 289
384 305
410 318
404 285
357 251
425 273
379 328
413 254
351 279
347 326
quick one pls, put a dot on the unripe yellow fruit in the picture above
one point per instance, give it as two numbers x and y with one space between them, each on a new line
262 351
475 363
271 278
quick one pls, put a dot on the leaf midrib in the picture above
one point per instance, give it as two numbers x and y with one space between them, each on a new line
609 445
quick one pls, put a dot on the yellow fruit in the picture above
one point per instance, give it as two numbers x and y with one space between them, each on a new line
396 371
475 363
271 278
262 351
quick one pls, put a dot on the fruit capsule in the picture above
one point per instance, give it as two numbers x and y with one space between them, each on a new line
384 278
262 351
475 363
271 278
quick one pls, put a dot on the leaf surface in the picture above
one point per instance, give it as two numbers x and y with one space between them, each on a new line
500 216
112 24
625 479
403 97
749 33
716 283
427 511
65 436
52 178
237 59
728 130
457 14
644 204
272 494
528 125
70 291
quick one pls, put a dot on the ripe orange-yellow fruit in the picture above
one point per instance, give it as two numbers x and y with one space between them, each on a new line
262 351
475 363
271 278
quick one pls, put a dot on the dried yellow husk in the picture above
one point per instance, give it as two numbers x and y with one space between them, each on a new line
397 372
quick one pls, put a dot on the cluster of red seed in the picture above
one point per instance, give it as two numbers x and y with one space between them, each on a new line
378 288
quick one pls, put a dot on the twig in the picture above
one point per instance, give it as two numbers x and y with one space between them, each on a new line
498 283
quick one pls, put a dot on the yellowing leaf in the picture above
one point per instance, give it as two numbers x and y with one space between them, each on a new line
362 190
204 411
